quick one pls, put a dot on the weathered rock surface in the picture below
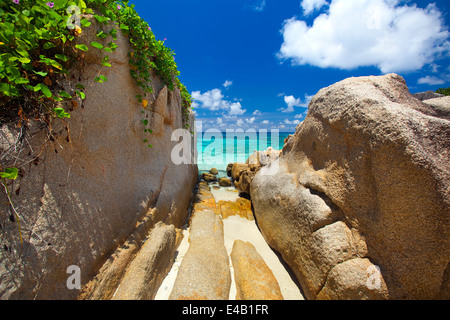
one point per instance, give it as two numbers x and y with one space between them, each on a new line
241 207
152 263
422 96
208 177
254 279
204 273
224 182
229 168
83 193
204 199
237 170
363 183
243 175
214 171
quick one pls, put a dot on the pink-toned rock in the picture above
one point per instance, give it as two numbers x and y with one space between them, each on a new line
363 184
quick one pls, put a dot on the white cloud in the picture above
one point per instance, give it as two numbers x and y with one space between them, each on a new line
213 100
240 123
228 84
431 80
265 122
257 113
219 121
310 5
236 109
251 120
292 102
356 33
294 122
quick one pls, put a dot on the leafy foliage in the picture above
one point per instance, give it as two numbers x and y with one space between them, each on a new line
444 91
37 49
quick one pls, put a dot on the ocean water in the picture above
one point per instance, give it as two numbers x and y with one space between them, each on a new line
217 149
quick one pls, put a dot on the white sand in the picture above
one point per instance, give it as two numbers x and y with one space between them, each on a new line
236 228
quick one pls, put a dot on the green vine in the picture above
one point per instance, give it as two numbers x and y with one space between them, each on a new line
37 49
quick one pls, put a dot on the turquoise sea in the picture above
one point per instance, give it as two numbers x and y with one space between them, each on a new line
217 149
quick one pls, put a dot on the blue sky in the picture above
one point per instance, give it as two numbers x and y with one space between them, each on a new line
257 63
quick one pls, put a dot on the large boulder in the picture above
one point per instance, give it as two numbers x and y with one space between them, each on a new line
86 189
359 205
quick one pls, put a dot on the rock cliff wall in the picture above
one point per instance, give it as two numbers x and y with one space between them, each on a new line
88 185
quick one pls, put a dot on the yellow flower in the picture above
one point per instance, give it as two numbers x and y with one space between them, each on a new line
144 103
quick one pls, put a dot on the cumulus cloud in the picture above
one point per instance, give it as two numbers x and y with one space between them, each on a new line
430 80
265 122
236 109
213 100
292 102
257 113
357 33
310 5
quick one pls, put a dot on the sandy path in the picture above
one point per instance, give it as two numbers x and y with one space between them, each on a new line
236 228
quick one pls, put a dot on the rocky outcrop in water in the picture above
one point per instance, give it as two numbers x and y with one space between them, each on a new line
358 203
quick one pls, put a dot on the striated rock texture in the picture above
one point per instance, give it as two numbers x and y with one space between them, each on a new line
204 273
146 272
254 279
83 192
363 184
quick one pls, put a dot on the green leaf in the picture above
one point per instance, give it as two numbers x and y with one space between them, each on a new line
42 74
82 47
97 45
64 94
24 60
5 89
101 79
85 23
61 113
21 81
48 45
61 57
82 95
145 122
45 90
10 173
